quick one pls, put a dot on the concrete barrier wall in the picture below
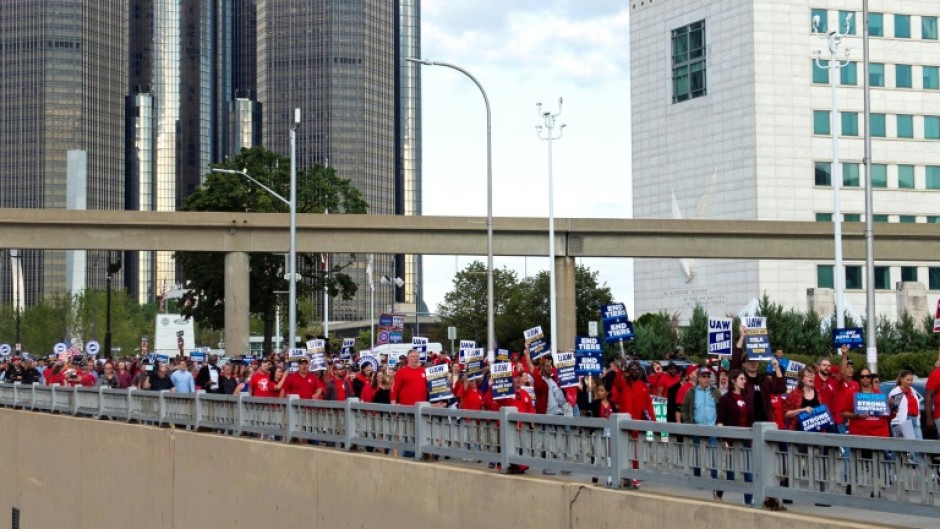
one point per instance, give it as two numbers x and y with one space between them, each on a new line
64 472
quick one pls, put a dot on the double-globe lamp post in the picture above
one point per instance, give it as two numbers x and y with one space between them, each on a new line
490 327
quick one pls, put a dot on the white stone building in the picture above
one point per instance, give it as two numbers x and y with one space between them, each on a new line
730 121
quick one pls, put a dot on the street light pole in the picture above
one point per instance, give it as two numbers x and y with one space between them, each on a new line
16 274
835 43
490 326
113 268
292 252
549 136
871 330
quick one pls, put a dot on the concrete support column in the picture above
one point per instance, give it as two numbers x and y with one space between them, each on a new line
567 303
237 297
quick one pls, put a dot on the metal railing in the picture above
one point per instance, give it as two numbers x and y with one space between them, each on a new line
871 473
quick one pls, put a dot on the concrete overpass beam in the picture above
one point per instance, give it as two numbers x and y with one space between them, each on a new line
237 297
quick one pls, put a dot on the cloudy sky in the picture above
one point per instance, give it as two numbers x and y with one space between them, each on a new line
524 52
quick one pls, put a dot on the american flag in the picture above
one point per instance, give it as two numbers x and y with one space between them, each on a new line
369 273
74 351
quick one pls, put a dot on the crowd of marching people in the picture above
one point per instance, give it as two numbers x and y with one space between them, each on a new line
734 392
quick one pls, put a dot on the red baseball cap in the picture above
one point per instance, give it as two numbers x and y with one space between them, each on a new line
690 370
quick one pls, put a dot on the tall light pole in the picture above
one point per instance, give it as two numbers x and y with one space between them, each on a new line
372 290
871 331
835 44
292 252
113 268
549 137
16 275
490 326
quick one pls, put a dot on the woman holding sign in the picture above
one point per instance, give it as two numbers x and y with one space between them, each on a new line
872 422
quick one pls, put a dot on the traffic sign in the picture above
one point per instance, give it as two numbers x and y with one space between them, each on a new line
179 343
92 348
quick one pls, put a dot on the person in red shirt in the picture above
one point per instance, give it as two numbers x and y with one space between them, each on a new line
260 383
656 369
631 395
869 425
362 380
303 383
931 422
55 375
826 384
666 380
338 386
688 382
411 383
469 396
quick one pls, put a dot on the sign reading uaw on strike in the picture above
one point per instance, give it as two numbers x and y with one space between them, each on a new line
617 326
719 336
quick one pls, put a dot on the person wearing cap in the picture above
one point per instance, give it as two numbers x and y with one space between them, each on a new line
700 406
338 386
14 371
302 383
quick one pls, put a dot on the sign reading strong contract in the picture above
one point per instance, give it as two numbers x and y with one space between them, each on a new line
617 326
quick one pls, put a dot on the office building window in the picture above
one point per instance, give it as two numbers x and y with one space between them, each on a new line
848 74
933 278
905 177
853 277
931 78
908 273
879 218
824 173
905 126
821 122
818 21
820 72
852 217
850 175
902 26
849 123
903 77
932 127
824 217
847 22
876 25
876 74
907 219
932 177
882 277
933 219
688 62
928 28
878 129
824 277
879 175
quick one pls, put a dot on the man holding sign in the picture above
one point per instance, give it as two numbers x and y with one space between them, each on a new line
759 386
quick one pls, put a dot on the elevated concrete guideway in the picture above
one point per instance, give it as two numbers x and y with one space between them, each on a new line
238 234
57 229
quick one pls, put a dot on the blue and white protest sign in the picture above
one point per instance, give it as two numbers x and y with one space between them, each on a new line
465 345
535 341
819 420
5 349
589 356
421 345
565 363
792 374
197 357
756 341
296 355
474 362
368 359
348 345
617 325
438 378
92 348
316 346
871 404
854 337
501 381
317 362
60 348
163 359
719 336
502 355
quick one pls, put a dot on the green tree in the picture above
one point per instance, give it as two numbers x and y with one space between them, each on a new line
465 306
318 189
694 339
655 336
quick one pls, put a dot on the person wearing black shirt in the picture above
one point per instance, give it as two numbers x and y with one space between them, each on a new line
159 381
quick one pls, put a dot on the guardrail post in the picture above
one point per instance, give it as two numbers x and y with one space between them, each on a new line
100 402
350 426
507 445
239 414
74 401
421 428
162 408
32 399
197 409
291 420
615 439
130 401
762 461
52 404
16 394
